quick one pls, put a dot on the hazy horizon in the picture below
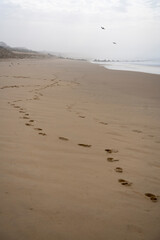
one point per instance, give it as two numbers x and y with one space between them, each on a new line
74 27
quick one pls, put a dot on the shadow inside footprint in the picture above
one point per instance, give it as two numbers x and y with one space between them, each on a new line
104 123
28 124
111 150
43 134
137 131
84 145
63 138
38 129
25 117
110 159
124 182
118 169
152 197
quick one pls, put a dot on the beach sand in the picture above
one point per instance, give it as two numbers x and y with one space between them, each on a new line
79 152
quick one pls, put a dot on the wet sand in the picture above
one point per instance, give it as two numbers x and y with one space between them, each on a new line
79 152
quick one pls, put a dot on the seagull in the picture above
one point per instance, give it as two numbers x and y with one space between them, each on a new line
103 28
114 43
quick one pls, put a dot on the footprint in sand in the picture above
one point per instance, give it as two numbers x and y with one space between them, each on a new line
17 101
43 134
110 159
152 197
29 99
82 116
151 136
25 117
28 124
104 123
38 129
31 120
111 150
84 145
36 98
118 169
124 182
21 111
63 138
137 131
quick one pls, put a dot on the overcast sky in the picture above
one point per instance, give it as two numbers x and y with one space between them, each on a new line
74 26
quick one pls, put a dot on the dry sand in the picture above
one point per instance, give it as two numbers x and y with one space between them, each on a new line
63 124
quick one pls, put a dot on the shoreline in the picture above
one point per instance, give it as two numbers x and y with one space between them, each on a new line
79 151
132 66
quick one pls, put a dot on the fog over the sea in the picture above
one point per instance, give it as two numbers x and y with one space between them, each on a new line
74 27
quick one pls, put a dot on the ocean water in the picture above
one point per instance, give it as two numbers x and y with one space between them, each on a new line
152 67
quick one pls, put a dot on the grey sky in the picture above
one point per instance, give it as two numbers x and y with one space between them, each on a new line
74 26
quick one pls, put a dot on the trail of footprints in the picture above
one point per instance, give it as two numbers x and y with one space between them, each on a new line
124 182
30 123
26 116
80 115
36 96
117 169
108 151
110 159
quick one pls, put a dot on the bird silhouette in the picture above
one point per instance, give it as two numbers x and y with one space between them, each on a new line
114 43
103 28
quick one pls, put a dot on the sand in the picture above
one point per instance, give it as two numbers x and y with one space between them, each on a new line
79 152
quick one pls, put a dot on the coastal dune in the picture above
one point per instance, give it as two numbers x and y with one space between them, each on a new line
79 152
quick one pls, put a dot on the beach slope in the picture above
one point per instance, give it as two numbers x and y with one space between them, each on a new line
79 152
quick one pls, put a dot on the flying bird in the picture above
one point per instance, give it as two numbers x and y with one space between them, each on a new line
103 28
114 43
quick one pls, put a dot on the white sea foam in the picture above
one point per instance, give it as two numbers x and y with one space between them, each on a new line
152 67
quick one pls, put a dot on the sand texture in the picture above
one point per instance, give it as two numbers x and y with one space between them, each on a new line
79 152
